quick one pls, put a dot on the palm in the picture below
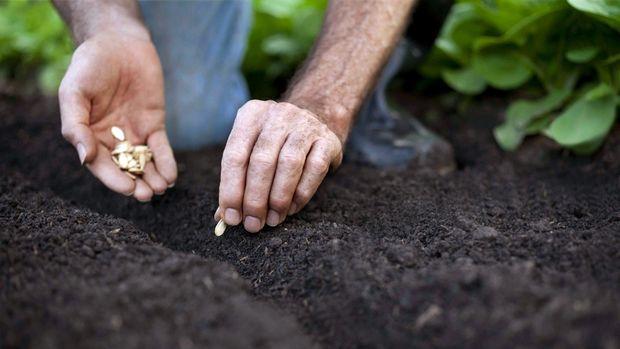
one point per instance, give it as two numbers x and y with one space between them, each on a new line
118 81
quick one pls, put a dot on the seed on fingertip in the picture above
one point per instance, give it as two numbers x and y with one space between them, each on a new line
220 228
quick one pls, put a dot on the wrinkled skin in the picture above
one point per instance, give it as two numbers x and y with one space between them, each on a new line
116 80
275 159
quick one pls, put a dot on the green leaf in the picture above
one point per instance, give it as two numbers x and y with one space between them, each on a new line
502 68
462 26
465 80
522 112
525 117
586 120
538 125
607 10
508 136
582 55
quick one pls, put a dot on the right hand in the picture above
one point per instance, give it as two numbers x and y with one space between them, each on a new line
115 79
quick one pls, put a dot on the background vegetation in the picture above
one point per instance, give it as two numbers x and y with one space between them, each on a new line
566 53
568 50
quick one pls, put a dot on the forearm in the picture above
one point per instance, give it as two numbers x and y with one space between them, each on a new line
356 40
89 17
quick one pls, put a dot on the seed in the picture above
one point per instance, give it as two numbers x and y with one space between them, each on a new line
142 160
123 160
118 133
122 147
220 228
129 158
132 162
141 149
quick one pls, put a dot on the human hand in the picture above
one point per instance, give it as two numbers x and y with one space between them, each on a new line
116 79
276 157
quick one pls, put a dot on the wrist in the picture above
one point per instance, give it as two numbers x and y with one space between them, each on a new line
337 116
107 20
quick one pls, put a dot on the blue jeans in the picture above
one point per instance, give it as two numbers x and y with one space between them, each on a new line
201 45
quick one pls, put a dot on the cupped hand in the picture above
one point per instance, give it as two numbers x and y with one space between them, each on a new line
276 157
116 80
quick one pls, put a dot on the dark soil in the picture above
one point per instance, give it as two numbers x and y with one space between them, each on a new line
511 250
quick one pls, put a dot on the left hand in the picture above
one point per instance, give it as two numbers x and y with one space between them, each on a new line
276 157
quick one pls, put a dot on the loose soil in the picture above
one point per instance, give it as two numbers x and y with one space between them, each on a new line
510 250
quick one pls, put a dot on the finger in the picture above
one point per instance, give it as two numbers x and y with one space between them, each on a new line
316 167
143 192
157 183
109 174
75 116
163 156
290 166
217 215
261 170
235 159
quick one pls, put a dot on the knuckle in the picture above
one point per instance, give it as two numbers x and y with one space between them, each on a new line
278 203
261 161
302 195
251 103
233 158
317 165
253 206
290 161
229 200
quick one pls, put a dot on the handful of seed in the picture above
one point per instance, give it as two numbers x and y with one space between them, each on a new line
130 158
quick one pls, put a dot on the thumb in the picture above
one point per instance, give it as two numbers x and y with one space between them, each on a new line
74 115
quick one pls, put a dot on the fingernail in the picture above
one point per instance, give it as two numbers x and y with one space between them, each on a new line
216 215
293 209
171 185
81 152
252 224
273 218
232 216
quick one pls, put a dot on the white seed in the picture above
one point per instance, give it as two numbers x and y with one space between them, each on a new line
118 133
123 160
142 161
122 147
141 149
220 228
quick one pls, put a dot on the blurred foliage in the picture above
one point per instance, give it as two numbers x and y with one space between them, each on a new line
34 44
569 49
282 34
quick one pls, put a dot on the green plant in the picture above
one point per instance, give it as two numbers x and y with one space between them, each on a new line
568 48
34 43
282 34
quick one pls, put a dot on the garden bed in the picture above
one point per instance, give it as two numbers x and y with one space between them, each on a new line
509 250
